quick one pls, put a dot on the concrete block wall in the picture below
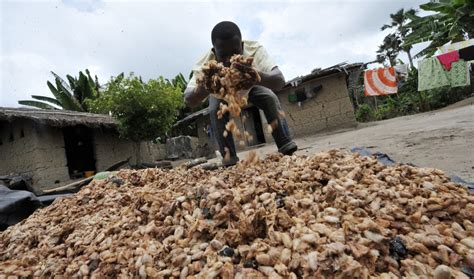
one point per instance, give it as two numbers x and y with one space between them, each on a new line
329 109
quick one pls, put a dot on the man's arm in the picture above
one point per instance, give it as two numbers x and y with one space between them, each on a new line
193 96
273 80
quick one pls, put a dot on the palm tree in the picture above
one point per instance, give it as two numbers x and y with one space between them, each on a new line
389 49
70 96
453 21
399 22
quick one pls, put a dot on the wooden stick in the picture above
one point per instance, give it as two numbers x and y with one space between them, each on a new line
85 180
71 185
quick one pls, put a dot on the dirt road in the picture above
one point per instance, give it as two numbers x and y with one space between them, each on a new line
442 139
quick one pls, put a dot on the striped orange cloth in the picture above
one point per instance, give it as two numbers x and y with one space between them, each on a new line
380 82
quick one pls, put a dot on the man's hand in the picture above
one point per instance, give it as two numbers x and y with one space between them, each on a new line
273 80
252 77
245 68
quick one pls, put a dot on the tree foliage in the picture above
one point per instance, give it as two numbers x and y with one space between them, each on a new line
389 49
448 21
179 81
451 21
67 96
188 128
393 42
144 110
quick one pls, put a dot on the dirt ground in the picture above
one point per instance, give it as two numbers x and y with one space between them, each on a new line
443 139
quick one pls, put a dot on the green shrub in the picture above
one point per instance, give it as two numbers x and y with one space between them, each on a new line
144 110
365 113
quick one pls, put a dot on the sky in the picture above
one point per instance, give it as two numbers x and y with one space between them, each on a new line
164 38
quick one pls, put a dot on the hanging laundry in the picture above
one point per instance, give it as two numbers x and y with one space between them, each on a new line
459 75
401 73
301 95
401 69
296 81
448 58
455 46
467 53
431 74
380 82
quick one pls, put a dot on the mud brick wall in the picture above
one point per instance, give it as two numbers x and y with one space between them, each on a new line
35 150
50 158
16 148
110 148
329 109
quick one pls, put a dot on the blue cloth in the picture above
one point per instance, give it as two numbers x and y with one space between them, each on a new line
381 157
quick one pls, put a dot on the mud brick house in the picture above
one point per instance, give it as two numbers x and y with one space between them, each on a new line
53 147
313 103
319 101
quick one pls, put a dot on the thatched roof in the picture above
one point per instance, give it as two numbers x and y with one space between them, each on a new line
58 118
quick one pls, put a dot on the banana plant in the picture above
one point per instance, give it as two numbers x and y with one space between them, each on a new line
452 21
178 81
70 96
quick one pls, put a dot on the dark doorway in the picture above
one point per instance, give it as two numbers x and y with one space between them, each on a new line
253 125
79 145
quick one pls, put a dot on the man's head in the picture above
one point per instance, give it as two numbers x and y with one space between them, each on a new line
226 41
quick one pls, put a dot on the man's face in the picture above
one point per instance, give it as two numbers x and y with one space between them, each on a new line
224 49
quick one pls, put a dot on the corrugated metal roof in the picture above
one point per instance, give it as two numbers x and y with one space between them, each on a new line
318 73
192 116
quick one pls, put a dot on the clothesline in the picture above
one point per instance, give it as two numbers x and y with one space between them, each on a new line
448 69
451 67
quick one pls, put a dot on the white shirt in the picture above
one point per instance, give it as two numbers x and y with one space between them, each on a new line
455 46
262 62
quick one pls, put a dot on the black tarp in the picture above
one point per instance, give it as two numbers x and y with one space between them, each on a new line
16 205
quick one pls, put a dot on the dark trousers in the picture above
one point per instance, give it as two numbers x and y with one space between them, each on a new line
264 99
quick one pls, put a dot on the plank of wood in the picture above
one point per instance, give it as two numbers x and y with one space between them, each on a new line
70 185
84 181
